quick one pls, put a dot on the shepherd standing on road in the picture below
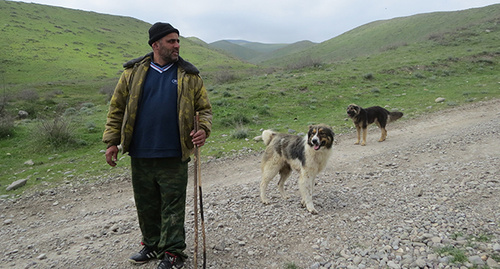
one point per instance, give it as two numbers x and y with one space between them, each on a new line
151 115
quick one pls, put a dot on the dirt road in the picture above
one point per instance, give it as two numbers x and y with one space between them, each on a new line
433 184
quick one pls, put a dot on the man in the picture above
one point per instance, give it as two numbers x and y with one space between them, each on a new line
151 116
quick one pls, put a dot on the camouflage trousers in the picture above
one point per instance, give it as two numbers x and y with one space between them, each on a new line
160 197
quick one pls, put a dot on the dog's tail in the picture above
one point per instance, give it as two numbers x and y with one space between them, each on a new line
395 115
267 136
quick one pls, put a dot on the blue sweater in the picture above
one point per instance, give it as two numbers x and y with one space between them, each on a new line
156 130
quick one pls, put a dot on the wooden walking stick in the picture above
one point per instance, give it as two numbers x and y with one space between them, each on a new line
198 195
195 197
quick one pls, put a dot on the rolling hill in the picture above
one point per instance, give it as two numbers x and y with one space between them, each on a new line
238 51
368 39
379 36
254 52
61 65
75 45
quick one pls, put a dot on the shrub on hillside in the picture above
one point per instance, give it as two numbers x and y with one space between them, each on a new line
88 105
6 126
56 133
240 132
108 91
53 94
28 95
368 76
235 120
224 77
264 110
394 46
91 127
70 111
305 62
86 111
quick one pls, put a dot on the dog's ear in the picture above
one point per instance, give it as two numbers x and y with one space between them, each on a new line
327 128
330 130
310 130
354 107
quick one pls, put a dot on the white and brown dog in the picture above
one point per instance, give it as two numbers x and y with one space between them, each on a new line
308 155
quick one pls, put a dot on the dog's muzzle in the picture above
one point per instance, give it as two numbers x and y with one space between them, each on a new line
316 143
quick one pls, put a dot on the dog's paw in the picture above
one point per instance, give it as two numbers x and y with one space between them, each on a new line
312 210
285 195
265 201
363 144
309 207
357 143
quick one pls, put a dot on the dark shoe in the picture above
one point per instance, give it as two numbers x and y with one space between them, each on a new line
171 261
144 255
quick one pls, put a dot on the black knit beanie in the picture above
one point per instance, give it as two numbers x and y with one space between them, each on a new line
159 30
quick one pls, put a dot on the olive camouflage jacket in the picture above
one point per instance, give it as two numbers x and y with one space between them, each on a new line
192 98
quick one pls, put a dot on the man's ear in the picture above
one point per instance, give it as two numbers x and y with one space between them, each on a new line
155 45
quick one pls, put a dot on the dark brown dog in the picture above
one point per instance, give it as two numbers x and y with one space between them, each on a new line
362 117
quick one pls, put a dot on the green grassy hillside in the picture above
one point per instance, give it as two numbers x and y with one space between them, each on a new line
261 47
291 49
380 36
73 45
235 50
254 52
60 139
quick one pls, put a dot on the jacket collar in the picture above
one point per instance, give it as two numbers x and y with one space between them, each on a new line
189 67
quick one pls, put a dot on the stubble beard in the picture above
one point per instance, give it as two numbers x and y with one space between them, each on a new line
170 56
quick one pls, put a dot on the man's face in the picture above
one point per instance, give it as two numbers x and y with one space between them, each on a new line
168 49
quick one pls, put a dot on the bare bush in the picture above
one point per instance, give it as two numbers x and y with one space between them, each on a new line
108 91
28 95
241 132
235 120
56 132
224 76
6 126
305 62
436 36
3 103
394 46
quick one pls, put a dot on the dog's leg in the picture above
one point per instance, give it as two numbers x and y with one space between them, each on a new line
263 187
358 131
365 130
284 173
383 131
384 134
268 173
306 183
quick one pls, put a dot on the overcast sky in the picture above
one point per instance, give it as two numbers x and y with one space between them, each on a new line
266 21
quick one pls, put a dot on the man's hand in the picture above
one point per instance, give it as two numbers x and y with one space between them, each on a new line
199 137
112 155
